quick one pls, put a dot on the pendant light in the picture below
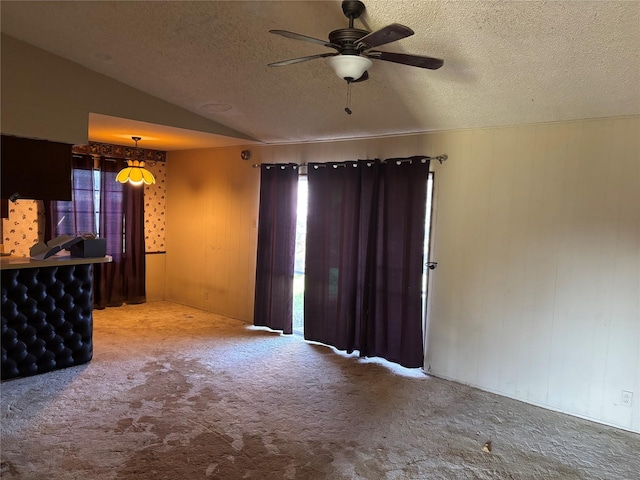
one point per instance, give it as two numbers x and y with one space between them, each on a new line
134 172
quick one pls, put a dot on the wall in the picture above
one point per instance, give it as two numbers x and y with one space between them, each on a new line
23 228
155 197
45 96
537 291
212 207
537 238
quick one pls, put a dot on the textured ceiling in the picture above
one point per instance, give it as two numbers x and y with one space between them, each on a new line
506 63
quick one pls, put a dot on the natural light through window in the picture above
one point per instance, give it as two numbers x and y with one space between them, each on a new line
298 272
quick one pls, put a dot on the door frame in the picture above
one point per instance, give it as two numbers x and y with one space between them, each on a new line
428 300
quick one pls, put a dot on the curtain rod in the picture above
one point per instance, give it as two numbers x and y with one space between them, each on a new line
440 158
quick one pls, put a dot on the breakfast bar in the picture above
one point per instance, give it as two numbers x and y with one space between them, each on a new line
47 313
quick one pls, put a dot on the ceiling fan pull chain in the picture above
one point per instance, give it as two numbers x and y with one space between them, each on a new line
348 110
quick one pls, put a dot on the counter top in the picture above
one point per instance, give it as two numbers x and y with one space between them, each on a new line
13 262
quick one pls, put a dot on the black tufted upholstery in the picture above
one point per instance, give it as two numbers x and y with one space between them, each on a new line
47 319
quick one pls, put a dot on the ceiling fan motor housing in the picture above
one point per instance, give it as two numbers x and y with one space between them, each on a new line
346 38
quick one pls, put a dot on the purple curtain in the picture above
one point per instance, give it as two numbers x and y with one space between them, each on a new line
135 266
363 270
338 221
121 223
276 247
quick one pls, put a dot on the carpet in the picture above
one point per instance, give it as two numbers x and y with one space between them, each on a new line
178 393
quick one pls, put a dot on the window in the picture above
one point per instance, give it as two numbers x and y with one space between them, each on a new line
96 206
82 213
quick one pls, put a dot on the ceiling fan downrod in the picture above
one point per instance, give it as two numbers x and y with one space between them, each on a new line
352 9
346 38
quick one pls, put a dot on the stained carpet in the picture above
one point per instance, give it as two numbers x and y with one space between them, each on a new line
178 393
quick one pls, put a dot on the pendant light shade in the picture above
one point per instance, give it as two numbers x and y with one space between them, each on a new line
349 67
134 172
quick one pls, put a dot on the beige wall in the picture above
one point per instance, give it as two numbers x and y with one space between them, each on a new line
46 96
537 291
212 207
155 277
537 238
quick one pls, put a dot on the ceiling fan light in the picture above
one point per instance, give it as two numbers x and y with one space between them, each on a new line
350 67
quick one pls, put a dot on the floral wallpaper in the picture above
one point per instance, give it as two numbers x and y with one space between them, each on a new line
25 225
154 208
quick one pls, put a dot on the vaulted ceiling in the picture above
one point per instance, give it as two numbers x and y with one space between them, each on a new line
505 63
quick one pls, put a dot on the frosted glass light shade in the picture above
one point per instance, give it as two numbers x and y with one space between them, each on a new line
349 66
135 174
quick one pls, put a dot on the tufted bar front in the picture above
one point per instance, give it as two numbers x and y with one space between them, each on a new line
47 319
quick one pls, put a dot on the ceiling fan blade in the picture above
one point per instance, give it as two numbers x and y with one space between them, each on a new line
406 59
385 35
301 59
297 36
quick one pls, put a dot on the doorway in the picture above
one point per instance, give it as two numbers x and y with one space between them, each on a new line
298 268
300 250
428 264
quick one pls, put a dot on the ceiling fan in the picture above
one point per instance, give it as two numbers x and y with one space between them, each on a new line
351 60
